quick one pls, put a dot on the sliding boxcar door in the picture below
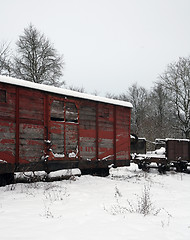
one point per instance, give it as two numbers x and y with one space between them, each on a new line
71 130
57 128
88 132
64 128
31 126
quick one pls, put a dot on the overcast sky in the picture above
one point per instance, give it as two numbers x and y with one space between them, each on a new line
107 44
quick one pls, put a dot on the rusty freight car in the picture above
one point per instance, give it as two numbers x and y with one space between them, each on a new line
173 154
49 128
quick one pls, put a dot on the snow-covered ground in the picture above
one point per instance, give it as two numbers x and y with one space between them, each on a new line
91 208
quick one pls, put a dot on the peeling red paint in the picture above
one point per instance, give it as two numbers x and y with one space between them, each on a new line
77 129
7 141
7 156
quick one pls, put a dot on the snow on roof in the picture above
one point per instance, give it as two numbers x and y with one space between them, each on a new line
179 140
62 91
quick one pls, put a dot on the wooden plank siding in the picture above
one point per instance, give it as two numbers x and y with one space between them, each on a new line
31 125
105 132
87 131
7 124
122 133
39 129
178 150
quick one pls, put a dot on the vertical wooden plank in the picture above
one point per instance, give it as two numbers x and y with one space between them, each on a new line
114 134
129 116
31 125
105 132
122 134
78 128
97 132
64 130
46 123
71 131
87 131
17 119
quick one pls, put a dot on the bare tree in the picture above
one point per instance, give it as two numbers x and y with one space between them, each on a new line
77 89
113 96
176 79
5 60
36 59
161 112
95 93
138 96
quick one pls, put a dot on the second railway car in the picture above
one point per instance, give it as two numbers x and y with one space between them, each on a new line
169 154
49 128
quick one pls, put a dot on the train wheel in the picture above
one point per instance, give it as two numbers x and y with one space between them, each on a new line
145 167
181 166
140 165
162 169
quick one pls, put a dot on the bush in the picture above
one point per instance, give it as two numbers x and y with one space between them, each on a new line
143 205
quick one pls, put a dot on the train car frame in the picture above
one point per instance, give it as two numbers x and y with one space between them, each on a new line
49 128
173 154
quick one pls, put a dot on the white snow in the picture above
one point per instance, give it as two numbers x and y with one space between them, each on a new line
58 155
90 208
176 139
65 92
159 153
3 161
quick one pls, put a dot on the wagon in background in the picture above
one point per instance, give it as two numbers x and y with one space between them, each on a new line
168 154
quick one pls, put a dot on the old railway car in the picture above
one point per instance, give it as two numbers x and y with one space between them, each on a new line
49 128
169 154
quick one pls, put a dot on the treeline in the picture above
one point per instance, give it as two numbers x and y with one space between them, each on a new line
162 112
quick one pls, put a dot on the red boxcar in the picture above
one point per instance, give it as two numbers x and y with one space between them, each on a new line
48 128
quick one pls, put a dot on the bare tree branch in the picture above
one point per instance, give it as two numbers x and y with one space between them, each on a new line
37 60
5 60
176 79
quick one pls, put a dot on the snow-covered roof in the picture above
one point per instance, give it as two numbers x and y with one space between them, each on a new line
62 91
178 139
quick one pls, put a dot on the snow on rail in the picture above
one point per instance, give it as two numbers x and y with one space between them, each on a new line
62 91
